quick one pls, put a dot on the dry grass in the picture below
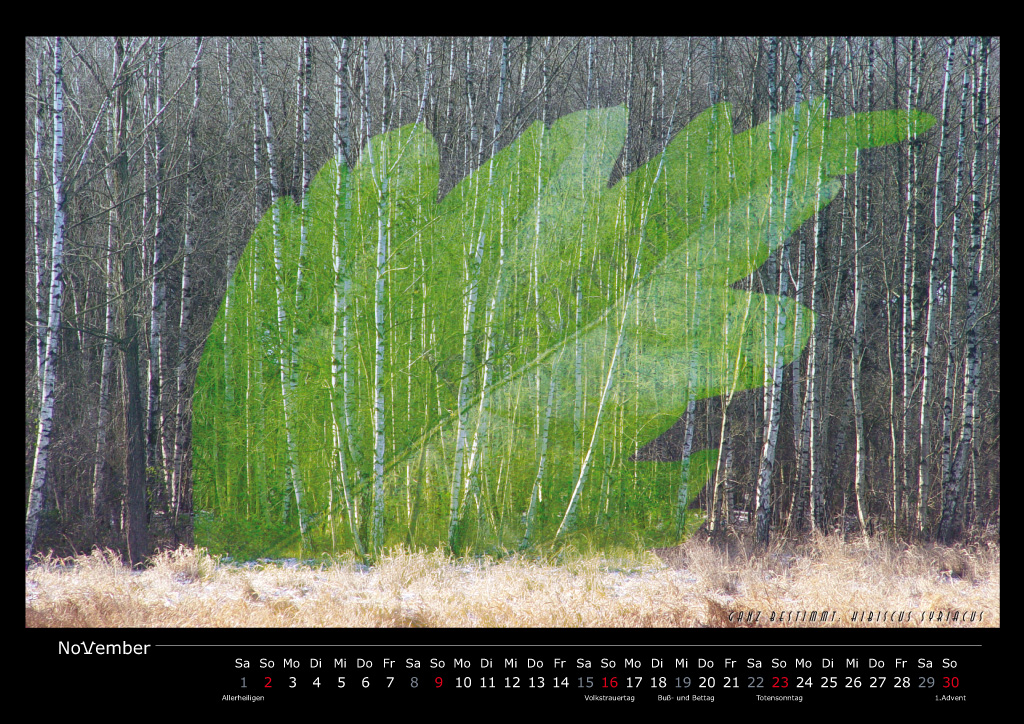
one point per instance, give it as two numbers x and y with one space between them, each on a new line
695 585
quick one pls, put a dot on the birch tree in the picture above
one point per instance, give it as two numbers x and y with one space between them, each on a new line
183 416
379 171
774 375
155 425
909 312
945 465
294 474
813 399
938 220
137 532
341 397
953 491
478 452
38 242
857 345
296 330
99 511
37 491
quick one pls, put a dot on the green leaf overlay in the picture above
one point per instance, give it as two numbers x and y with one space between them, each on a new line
615 304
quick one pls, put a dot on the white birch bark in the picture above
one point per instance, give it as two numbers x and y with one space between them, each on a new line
683 496
857 344
255 411
472 281
451 86
857 353
256 135
37 490
537 494
165 429
949 523
478 451
924 451
184 327
154 426
227 95
545 91
761 492
294 476
462 472
231 260
379 172
474 133
831 354
689 417
907 353
971 496
300 75
799 452
945 466
569 518
773 408
413 491
577 405
37 223
340 400
348 398
296 331
813 399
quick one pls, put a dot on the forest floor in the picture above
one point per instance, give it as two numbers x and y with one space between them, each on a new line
865 582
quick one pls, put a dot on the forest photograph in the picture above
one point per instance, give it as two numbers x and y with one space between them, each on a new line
511 331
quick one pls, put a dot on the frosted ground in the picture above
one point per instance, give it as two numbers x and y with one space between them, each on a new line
695 585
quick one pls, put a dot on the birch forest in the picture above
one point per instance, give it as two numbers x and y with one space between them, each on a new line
321 295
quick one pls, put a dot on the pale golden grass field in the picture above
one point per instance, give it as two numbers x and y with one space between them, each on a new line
696 585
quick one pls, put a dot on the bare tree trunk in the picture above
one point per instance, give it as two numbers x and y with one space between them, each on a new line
295 480
231 260
340 397
907 352
857 345
577 409
135 473
478 451
37 223
183 432
162 429
537 492
948 526
293 372
972 496
629 288
300 78
154 426
811 431
471 160
451 86
682 497
100 512
37 491
379 170
256 423
945 467
569 518
924 465
472 286
774 392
